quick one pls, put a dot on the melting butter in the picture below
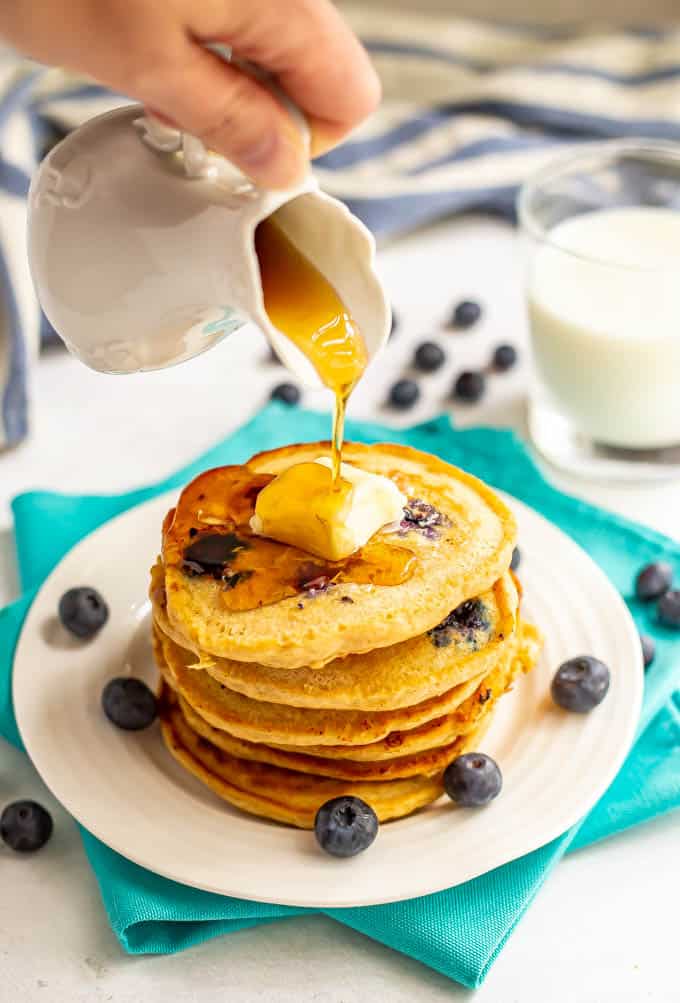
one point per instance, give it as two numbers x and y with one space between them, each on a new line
304 508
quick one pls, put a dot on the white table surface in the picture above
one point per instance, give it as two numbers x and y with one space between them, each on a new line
604 927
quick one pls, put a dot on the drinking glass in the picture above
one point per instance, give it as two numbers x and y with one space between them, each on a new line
603 294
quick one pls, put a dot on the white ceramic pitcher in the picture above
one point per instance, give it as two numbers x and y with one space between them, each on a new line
141 247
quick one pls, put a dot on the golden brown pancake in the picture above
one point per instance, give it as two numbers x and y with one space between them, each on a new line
287 795
276 724
401 753
467 644
454 543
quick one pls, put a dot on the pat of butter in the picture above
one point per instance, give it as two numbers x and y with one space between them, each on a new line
301 508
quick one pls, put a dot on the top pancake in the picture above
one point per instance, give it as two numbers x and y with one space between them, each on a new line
462 546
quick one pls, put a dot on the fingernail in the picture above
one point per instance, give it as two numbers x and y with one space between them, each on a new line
261 153
276 160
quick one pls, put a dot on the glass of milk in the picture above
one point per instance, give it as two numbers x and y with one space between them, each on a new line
603 293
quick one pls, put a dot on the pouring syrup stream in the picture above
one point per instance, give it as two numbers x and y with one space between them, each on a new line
303 305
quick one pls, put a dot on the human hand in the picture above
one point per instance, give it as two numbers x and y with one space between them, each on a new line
155 52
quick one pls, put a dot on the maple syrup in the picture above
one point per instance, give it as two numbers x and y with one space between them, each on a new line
303 305
209 534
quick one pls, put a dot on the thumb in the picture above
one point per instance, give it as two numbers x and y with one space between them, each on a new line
233 114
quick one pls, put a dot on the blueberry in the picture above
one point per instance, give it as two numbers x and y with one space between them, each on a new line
345 826
208 554
504 357
668 609
473 614
419 514
467 619
653 580
580 684
473 779
516 559
469 386
83 611
429 357
286 392
25 826
129 703
465 314
648 649
404 394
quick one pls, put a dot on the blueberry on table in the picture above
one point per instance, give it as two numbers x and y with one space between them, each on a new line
345 826
580 684
648 649
429 357
653 580
504 358
83 612
288 393
473 779
469 386
466 314
129 703
25 826
668 609
404 394
516 559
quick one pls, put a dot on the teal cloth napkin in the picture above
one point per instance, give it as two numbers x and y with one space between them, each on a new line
460 931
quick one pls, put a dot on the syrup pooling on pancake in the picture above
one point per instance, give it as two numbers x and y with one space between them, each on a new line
209 534
303 305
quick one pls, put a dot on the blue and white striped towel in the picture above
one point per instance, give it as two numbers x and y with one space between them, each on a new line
470 110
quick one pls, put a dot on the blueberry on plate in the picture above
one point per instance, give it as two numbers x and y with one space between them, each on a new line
473 779
648 649
83 612
516 559
668 609
345 826
429 357
288 393
404 394
129 703
653 580
469 386
504 358
466 314
580 684
25 826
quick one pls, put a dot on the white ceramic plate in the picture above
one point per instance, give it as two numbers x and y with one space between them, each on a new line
127 790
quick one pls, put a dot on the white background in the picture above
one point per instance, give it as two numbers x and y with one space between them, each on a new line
604 928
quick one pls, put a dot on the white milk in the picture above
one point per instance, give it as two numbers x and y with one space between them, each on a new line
605 324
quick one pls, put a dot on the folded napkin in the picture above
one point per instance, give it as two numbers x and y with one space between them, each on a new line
460 931
471 109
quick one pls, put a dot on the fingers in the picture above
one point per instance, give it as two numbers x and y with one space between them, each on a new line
156 53
307 45
233 114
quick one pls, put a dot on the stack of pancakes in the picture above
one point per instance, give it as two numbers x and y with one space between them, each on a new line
289 681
